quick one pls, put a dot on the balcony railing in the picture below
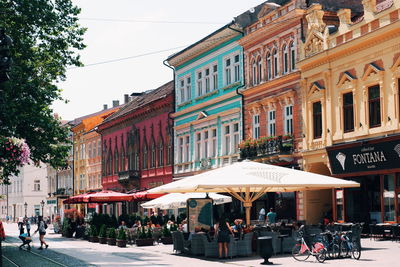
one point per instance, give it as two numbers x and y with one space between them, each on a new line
266 146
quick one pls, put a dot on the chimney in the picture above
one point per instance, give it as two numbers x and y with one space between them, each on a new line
115 103
126 98
369 10
136 94
344 15
105 107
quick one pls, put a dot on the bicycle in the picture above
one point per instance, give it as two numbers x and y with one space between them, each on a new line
301 251
348 246
330 241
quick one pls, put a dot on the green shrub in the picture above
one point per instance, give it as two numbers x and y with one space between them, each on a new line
173 227
166 232
93 231
142 234
111 233
121 234
103 232
149 233
66 227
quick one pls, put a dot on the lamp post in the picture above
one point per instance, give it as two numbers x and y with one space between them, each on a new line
42 205
26 206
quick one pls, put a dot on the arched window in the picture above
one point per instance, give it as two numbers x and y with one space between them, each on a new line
145 156
269 66
254 73
160 153
259 70
292 56
285 59
275 58
153 155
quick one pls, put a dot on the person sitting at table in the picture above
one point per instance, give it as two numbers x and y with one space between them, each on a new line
237 228
123 225
184 227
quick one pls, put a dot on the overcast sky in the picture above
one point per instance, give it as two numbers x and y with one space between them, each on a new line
128 28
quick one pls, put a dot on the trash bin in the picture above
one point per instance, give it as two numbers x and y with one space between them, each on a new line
264 247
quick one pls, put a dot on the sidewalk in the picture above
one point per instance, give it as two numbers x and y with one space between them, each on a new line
384 253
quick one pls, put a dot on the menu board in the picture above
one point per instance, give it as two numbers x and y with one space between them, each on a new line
200 213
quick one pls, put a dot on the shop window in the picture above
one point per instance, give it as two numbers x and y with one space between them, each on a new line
317 119
389 197
374 104
348 112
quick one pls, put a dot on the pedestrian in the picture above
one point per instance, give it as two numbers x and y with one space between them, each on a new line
42 226
28 226
261 216
7 218
21 225
271 216
223 229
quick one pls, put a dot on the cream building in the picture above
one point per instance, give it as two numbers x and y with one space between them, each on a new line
350 96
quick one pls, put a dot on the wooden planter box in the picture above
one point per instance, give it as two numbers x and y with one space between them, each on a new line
103 240
166 240
111 241
144 242
121 243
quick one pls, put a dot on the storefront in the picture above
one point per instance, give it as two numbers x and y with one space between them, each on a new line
375 164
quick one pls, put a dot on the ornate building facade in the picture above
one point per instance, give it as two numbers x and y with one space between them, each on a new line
350 98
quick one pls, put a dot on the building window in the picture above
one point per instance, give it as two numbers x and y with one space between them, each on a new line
285 59
237 68
180 154
374 104
317 119
205 150
153 155
275 56
116 161
271 123
292 56
188 88
256 126
198 146
289 119
227 140
182 90
207 80
269 66
215 77
94 154
255 73
187 151
90 150
36 185
160 154
236 137
228 72
348 112
259 70
199 83
99 148
169 151
145 156
214 142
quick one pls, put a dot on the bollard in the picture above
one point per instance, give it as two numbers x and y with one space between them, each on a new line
264 245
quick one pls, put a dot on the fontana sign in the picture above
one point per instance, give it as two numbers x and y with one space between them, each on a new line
365 156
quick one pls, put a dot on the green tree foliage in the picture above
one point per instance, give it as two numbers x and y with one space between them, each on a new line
46 38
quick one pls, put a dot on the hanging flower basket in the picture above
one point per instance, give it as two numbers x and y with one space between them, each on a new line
14 153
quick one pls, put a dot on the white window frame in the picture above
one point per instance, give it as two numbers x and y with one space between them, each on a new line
187 148
180 150
271 122
285 59
236 67
289 119
207 80
206 143
235 137
215 76
199 83
228 71
259 70
256 126
227 139
255 73
269 66
182 90
213 142
292 56
275 69
198 146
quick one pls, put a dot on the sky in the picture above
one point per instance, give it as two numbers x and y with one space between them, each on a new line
133 28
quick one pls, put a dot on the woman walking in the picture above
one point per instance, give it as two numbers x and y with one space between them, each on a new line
223 231
42 226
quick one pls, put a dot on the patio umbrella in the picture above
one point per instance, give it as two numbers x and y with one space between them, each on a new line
82 198
253 179
144 196
108 196
178 200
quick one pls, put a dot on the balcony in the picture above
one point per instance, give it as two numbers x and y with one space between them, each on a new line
269 149
127 177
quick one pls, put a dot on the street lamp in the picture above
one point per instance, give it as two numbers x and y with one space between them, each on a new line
42 205
26 206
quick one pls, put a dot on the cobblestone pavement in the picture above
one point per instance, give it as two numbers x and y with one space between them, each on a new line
72 252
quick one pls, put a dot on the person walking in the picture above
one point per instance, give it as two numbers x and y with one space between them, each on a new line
222 230
42 226
271 216
261 216
21 225
28 226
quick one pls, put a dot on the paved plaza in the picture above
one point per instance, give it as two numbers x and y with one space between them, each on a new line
73 252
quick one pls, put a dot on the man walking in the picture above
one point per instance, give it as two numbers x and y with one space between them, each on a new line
271 216
261 216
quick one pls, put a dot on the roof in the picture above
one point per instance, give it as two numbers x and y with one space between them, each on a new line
80 119
139 101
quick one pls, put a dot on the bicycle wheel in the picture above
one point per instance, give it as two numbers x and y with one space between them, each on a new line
334 251
356 251
298 254
344 250
321 255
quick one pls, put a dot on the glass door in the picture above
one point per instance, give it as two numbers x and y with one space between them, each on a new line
339 206
389 214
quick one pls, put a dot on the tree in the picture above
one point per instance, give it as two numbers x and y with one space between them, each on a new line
46 38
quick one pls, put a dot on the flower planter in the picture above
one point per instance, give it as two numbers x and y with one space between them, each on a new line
103 240
111 241
166 240
121 243
144 242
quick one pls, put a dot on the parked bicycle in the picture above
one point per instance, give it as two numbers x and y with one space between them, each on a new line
301 251
331 242
348 247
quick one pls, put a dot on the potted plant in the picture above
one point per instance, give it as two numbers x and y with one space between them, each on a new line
93 234
103 234
166 236
145 239
111 240
121 238
67 230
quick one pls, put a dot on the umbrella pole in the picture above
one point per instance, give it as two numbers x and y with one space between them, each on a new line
247 205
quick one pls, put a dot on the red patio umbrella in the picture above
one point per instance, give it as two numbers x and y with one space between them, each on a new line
82 198
144 196
108 196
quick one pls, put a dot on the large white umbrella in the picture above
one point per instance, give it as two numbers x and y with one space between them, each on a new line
178 200
253 179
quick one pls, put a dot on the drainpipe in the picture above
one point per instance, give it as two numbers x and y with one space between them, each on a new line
243 85
169 116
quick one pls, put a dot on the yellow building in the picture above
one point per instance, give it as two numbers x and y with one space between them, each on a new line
350 97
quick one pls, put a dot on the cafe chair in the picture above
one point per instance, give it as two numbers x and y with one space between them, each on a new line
210 247
244 246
